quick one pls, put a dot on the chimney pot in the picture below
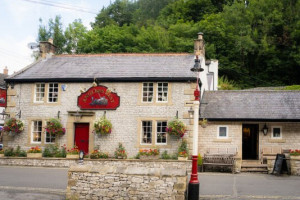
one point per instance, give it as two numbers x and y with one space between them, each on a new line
200 35
5 70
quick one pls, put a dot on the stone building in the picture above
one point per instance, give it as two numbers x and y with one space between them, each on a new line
237 120
152 89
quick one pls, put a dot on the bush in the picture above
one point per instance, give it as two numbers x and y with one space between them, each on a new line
165 155
18 152
9 152
97 154
199 160
53 151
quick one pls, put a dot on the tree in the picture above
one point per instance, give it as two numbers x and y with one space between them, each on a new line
73 33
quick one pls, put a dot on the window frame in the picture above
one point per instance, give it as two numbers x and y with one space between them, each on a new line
33 131
272 132
35 93
142 132
148 91
218 132
48 93
156 132
162 92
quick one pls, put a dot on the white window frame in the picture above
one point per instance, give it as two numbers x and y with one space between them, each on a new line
48 93
227 132
142 132
51 136
162 92
156 133
272 133
147 91
33 131
35 92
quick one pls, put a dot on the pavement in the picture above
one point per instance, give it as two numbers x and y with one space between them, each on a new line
36 183
248 186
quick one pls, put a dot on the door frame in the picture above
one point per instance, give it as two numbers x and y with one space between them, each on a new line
87 117
256 128
75 126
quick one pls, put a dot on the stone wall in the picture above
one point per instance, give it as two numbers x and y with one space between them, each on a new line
149 180
295 165
125 119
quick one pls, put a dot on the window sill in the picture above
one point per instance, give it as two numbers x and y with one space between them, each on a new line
279 140
225 140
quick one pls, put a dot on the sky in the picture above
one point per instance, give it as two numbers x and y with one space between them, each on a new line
19 23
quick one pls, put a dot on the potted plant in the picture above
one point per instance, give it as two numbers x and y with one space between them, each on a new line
149 154
120 152
183 151
203 123
98 155
54 127
102 126
73 152
1 153
176 128
13 126
294 154
34 152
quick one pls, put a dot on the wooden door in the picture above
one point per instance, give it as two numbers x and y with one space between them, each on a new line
250 141
82 136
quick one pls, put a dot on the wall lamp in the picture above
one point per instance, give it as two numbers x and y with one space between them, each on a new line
77 116
265 129
81 156
191 113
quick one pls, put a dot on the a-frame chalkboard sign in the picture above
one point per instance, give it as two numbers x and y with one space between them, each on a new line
280 163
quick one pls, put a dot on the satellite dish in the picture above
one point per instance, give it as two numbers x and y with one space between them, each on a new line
33 45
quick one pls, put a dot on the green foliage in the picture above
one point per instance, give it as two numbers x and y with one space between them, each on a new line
176 128
120 151
167 156
9 152
53 150
292 87
183 150
225 84
55 127
200 161
97 155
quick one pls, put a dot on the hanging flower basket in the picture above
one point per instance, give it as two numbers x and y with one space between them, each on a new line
176 128
13 126
102 126
54 127
203 123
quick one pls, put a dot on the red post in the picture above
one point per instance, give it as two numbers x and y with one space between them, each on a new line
194 175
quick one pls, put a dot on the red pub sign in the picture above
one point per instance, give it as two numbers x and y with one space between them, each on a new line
3 98
98 98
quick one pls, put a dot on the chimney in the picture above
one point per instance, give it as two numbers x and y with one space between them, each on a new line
199 45
5 71
47 48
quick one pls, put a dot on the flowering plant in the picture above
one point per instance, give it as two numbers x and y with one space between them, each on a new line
97 154
73 151
149 152
54 127
1 151
13 125
120 152
35 150
295 152
102 126
176 127
183 150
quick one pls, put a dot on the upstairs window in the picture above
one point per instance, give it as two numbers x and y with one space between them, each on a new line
36 132
39 92
162 92
53 92
147 92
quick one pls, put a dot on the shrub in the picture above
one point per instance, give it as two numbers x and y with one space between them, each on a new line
120 151
9 152
165 155
97 154
183 150
199 160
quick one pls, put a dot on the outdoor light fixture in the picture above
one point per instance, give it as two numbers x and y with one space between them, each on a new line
77 116
58 113
191 113
19 114
265 129
81 156
4 114
197 66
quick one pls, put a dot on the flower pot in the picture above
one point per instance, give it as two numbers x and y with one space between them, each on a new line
182 158
73 156
152 157
34 155
1 155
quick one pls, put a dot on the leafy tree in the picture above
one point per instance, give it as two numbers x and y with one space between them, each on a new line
73 33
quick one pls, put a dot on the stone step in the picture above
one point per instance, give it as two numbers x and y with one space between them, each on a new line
255 170
254 166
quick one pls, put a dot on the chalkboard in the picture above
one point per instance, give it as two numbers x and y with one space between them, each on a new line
277 169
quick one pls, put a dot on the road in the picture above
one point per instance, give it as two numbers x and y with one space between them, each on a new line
32 183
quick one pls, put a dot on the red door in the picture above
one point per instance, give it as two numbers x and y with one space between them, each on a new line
82 137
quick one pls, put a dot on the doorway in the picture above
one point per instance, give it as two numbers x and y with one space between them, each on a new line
82 136
250 141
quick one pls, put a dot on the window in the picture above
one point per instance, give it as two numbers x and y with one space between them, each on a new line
162 92
146 132
50 138
276 132
147 92
39 92
161 134
53 92
36 131
222 132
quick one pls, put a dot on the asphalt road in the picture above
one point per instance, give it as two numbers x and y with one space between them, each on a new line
32 183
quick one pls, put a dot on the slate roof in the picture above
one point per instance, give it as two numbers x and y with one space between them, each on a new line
251 105
109 67
2 82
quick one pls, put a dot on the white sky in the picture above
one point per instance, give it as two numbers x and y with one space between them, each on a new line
19 23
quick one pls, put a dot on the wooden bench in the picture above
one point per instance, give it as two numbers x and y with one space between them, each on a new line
222 160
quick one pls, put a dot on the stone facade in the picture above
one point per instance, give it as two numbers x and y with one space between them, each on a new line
210 143
126 119
140 181
295 165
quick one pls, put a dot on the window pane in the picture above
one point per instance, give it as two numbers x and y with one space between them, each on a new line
37 131
161 135
222 131
276 132
162 92
147 92
39 92
147 132
53 92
